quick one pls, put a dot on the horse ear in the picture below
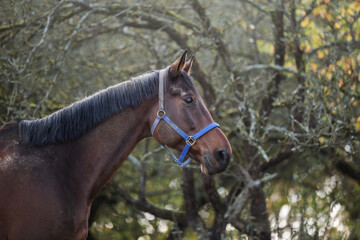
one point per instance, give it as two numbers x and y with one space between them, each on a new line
189 64
178 65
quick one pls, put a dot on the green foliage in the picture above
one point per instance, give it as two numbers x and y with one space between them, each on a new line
289 123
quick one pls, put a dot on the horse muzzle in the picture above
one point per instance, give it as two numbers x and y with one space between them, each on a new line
215 163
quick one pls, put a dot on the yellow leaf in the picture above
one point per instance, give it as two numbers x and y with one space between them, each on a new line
316 11
337 25
350 12
341 83
320 54
347 60
326 1
357 6
316 40
358 119
314 67
343 11
339 62
4 27
328 17
301 12
305 22
328 75
353 63
357 126
323 71
348 37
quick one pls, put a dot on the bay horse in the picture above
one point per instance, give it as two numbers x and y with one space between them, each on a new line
52 168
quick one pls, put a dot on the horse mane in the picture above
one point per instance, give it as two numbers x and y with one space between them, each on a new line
71 122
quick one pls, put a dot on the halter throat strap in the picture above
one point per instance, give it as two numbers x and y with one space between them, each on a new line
161 115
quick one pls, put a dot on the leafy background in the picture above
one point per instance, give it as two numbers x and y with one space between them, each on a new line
280 76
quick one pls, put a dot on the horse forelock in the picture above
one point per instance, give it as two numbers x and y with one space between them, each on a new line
71 122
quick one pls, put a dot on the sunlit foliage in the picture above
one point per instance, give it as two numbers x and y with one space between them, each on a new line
281 77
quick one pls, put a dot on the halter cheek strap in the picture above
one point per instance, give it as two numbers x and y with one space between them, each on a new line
161 115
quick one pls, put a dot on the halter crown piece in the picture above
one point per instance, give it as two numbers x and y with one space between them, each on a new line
161 115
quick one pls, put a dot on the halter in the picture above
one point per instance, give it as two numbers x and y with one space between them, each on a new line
161 115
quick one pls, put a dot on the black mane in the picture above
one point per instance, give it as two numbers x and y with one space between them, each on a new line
71 122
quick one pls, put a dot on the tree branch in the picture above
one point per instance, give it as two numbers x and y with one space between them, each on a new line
277 17
275 161
219 224
270 67
239 202
217 36
42 38
192 217
145 206
181 40
256 5
350 170
343 45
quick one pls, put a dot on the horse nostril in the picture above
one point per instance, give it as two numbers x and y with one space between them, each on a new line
223 156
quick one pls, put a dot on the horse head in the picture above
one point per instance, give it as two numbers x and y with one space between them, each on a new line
188 121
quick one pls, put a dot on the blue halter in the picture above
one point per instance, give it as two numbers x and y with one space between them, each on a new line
161 115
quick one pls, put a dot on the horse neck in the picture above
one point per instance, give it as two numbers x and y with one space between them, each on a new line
104 148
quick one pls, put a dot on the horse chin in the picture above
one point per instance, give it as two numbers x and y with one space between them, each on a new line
206 166
204 170
203 163
210 167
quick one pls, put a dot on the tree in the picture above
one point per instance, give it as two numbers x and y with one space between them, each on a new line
281 77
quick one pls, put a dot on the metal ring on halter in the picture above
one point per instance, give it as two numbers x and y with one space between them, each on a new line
190 140
161 114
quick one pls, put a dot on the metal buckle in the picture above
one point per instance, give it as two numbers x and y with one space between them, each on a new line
161 113
190 141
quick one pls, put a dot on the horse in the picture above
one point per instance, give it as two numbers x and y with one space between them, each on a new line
52 168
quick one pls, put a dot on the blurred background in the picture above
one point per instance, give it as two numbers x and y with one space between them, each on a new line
280 76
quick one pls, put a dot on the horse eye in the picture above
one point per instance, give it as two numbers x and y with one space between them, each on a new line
189 100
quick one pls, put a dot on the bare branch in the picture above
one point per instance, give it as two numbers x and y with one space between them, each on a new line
192 217
148 207
257 6
278 159
219 223
349 169
344 45
42 38
239 203
270 67
62 57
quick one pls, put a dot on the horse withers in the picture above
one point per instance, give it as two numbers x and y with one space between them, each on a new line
52 168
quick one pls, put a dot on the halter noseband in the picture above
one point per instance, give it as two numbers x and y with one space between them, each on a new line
161 115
